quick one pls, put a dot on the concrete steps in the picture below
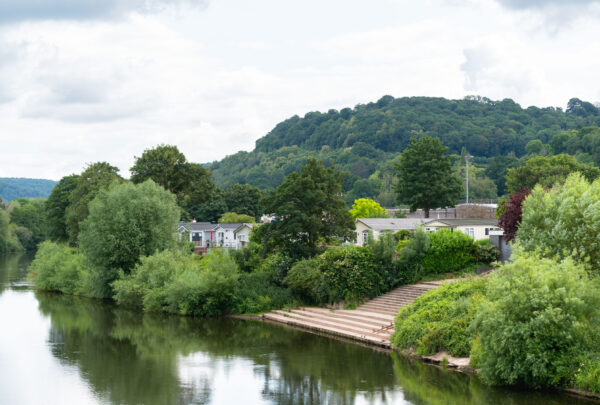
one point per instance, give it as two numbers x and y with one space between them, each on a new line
372 322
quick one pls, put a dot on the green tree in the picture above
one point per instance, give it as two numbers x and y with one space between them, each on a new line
126 222
367 208
56 207
235 218
168 167
244 199
480 185
308 209
546 171
535 322
563 221
30 214
425 176
96 177
497 170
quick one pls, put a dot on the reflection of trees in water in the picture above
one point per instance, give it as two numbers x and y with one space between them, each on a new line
130 357
13 268
425 384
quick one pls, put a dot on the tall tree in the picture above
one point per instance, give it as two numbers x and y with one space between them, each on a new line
29 215
425 176
95 177
367 208
168 167
308 209
497 169
546 171
125 222
56 207
244 199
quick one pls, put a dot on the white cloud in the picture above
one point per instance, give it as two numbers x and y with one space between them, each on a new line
212 82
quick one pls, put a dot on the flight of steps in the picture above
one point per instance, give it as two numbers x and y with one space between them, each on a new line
372 322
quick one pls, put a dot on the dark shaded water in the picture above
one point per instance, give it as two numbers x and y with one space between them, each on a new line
58 349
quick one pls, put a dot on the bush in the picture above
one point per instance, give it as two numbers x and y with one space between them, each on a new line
176 282
208 292
412 255
146 286
277 267
563 221
257 293
307 281
439 319
58 268
384 256
588 376
485 252
538 317
350 273
448 251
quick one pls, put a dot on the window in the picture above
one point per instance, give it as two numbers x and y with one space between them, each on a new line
365 237
470 232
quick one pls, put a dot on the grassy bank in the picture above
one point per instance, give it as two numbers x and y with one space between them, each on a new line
533 322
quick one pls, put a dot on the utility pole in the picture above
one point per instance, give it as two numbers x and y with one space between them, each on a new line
467 157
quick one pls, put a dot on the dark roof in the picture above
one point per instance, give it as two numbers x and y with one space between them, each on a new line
390 224
466 221
197 226
230 226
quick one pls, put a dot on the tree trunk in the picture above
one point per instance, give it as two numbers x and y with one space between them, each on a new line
426 212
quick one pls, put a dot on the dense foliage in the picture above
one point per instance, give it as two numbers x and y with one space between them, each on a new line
425 176
367 208
97 176
59 268
364 140
448 252
235 218
29 217
308 211
56 207
126 222
18 187
547 171
439 319
538 319
563 221
512 213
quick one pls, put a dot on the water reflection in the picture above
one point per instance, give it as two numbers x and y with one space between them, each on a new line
132 358
88 351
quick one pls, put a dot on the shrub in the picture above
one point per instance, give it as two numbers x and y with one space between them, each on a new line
146 286
448 251
58 268
350 273
485 252
257 293
307 281
563 221
535 322
412 255
439 319
588 376
384 256
277 267
208 292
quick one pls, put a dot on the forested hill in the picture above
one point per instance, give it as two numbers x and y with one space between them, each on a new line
16 187
363 139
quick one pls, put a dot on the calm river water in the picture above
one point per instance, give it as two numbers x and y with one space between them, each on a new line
64 350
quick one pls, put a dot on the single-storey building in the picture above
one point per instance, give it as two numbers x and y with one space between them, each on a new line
207 235
377 226
477 228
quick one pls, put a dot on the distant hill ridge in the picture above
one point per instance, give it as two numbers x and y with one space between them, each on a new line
365 139
17 187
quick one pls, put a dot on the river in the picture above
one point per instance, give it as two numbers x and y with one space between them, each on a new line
57 349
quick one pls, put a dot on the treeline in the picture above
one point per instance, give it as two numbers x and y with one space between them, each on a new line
364 141
23 225
13 187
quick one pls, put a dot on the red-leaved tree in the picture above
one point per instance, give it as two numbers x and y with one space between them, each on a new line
510 219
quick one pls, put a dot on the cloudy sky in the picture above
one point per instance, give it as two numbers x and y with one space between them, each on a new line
102 80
